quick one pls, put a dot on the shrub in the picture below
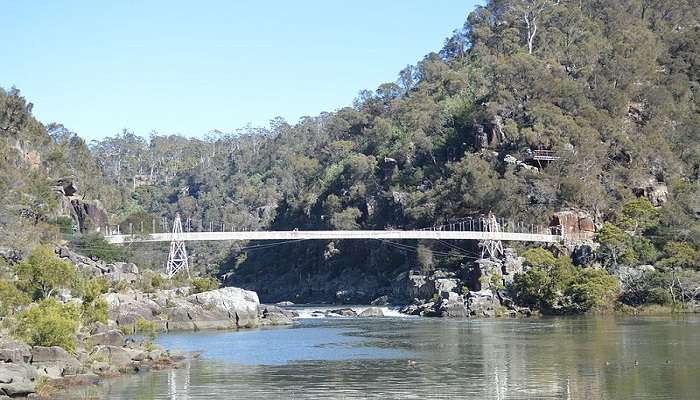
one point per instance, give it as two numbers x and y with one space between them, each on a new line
563 288
539 257
150 280
11 298
49 323
148 329
94 309
95 245
592 288
65 224
43 272
204 284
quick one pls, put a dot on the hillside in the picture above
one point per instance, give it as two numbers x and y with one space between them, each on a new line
611 88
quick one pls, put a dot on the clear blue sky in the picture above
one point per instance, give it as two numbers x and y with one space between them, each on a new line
190 67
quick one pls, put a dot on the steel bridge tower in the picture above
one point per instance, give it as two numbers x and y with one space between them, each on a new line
177 259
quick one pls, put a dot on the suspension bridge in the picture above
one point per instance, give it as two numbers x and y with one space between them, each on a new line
489 231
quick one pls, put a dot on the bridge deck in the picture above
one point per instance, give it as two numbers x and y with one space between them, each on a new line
327 235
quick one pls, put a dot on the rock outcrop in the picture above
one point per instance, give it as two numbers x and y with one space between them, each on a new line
174 310
117 271
576 225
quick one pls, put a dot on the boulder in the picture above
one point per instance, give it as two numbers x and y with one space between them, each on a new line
488 274
372 312
55 357
273 315
242 305
10 255
450 305
482 303
512 264
116 356
445 284
411 285
110 338
656 192
583 254
14 351
90 216
120 271
342 312
17 379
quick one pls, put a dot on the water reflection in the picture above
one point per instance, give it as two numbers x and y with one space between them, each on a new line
571 358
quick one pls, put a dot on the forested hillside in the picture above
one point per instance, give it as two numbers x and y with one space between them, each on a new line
610 87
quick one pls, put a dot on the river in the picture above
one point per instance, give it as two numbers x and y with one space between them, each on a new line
422 358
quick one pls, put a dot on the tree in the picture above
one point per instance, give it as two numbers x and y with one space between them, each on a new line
681 255
539 257
638 215
42 273
346 219
615 244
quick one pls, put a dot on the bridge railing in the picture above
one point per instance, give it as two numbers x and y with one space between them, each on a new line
473 224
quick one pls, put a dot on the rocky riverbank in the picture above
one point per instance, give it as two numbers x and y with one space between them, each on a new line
41 372
124 343
112 349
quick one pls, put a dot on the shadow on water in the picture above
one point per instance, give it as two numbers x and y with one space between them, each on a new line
415 358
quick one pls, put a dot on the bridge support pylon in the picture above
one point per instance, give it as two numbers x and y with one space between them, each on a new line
177 259
494 248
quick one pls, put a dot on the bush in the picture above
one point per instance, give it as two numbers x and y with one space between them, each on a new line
43 272
49 323
150 281
94 309
148 329
559 287
592 288
11 298
65 225
95 245
204 284
539 257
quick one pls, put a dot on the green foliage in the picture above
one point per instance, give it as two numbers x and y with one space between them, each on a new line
611 87
616 244
556 286
65 225
149 281
94 309
49 323
591 288
146 328
11 298
43 272
638 215
95 245
204 284
539 257
681 255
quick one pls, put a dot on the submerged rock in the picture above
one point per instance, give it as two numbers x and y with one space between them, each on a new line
372 312
341 312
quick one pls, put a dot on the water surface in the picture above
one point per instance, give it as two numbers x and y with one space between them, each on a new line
420 358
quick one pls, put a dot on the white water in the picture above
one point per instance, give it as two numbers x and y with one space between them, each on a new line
320 311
